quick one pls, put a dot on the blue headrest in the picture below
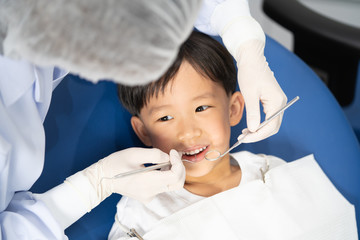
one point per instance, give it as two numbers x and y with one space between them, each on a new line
86 123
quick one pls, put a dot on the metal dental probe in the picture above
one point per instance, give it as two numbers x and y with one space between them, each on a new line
242 136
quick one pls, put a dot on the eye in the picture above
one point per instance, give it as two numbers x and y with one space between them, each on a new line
201 108
165 118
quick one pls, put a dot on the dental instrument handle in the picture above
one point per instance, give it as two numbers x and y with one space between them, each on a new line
242 136
141 170
277 113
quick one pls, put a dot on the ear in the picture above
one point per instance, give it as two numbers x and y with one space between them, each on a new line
140 130
236 108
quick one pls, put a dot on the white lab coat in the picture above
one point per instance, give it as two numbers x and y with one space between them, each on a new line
25 95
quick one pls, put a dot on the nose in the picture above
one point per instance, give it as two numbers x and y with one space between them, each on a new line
188 130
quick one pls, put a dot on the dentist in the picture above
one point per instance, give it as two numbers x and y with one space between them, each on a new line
131 42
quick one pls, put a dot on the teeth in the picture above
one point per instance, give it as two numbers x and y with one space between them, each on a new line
195 151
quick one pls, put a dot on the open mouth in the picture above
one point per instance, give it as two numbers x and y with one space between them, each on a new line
195 155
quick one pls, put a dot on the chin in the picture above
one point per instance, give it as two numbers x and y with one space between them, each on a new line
197 173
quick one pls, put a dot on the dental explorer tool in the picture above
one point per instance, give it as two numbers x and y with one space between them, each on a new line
242 136
141 170
145 169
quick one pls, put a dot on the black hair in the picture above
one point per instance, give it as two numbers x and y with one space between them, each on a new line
206 55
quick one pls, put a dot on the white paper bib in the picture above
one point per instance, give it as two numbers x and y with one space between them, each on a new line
297 201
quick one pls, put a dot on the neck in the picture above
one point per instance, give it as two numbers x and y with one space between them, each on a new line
222 177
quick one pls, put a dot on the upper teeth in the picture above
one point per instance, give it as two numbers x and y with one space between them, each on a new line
195 151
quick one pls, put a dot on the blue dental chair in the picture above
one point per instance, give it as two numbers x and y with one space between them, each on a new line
86 123
353 110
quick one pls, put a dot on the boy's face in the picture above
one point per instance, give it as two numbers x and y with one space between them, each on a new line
192 116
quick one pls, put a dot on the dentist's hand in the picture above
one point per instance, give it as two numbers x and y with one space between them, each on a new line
245 40
258 84
142 186
84 190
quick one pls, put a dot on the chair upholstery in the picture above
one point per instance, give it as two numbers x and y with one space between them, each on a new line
353 110
86 123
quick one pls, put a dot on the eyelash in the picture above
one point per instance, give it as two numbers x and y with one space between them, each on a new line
201 108
165 118
198 109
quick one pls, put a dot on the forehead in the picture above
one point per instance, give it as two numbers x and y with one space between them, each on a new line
187 85
189 80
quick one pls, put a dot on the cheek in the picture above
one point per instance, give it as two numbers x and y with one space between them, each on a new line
162 140
219 129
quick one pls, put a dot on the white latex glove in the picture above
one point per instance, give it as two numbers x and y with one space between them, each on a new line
245 40
257 83
143 186
84 190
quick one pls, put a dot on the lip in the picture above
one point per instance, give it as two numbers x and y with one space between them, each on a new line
197 157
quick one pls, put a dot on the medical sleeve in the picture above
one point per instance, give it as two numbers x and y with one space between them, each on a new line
231 19
27 218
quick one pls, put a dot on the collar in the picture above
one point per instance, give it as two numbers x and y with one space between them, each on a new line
16 77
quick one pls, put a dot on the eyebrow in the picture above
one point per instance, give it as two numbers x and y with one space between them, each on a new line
158 108
205 95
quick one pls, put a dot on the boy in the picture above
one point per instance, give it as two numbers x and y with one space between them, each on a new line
191 109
